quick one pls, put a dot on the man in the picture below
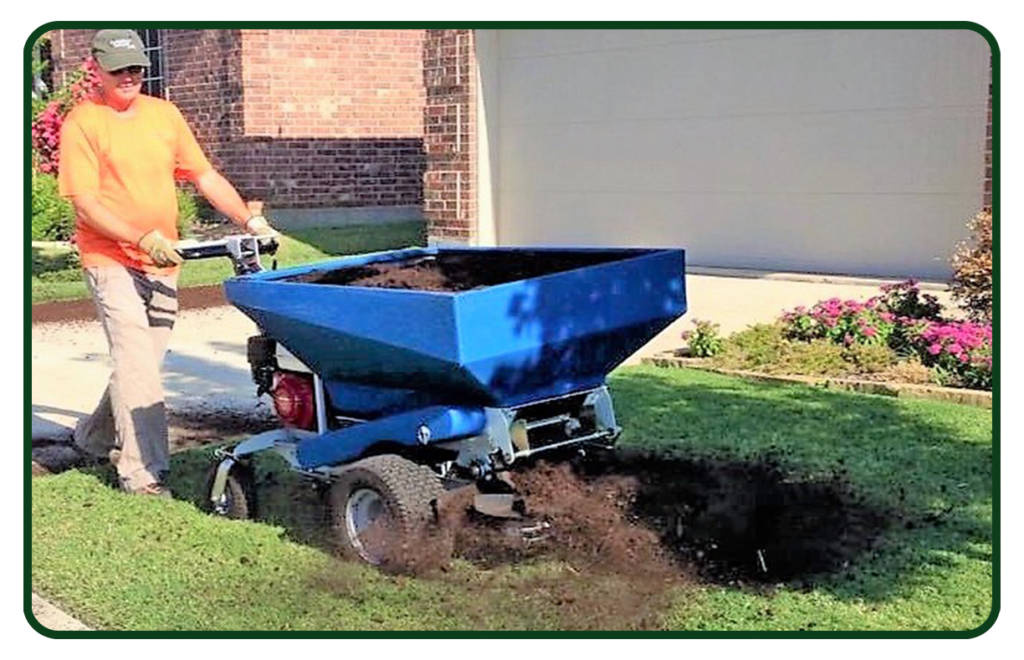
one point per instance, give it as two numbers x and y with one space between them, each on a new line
120 155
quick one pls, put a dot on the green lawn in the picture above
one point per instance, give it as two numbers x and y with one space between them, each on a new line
55 275
124 563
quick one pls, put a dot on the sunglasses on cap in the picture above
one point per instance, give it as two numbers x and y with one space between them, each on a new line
133 70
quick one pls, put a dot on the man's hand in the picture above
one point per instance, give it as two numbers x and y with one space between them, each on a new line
257 225
160 249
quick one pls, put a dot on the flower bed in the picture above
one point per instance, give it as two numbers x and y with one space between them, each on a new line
899 335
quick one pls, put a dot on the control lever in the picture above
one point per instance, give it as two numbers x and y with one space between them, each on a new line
243 250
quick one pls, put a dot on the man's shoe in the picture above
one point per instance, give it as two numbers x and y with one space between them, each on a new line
155 489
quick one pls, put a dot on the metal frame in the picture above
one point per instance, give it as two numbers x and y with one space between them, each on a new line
477 452
155 51
484 439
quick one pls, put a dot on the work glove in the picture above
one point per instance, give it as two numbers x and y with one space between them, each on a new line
159 249
257 225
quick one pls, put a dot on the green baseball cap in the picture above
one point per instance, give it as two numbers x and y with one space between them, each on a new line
117 49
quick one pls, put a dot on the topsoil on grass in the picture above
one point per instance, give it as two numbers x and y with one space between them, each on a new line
626 530
721 521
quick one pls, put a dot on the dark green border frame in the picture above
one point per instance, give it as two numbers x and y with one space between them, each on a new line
46 643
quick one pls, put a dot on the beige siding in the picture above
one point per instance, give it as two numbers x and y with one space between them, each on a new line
836 151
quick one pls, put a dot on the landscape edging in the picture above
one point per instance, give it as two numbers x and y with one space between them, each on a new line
975 398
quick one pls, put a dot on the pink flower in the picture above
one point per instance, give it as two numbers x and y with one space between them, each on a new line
935 349
870 331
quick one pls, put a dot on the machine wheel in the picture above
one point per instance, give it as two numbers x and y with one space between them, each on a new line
239 499
383 512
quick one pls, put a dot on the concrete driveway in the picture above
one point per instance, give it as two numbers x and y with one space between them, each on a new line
206 367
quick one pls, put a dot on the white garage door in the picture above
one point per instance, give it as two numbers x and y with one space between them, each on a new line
850 151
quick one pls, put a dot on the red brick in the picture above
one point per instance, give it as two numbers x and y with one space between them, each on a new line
232 86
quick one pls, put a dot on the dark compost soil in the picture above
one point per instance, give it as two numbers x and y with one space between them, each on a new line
446 272
456 272
631 530
719 521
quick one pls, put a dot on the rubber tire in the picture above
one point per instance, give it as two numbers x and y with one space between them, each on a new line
408 491
240 489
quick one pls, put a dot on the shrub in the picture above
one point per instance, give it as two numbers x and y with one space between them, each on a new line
66 267
870 358
972 269
819 357
909 309
764 348
757 347
905 300
47 124
188 211
960 352
53 217
768 349
841 322
910 370
703 340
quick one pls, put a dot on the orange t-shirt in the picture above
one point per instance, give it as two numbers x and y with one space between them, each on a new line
130 163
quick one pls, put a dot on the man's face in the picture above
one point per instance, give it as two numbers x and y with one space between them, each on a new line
122 86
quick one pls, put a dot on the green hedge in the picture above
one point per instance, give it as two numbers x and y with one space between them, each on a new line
188 211
53 217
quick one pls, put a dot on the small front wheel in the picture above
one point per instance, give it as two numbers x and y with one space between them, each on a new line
238 501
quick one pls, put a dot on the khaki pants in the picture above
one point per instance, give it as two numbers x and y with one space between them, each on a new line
137 311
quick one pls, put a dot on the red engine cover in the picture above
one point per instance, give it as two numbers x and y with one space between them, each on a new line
293 399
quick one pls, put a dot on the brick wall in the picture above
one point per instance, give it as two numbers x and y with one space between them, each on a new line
69 50
301 118
333 117
449 71
333 83
203 79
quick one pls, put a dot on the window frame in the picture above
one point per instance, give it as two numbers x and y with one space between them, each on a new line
155 81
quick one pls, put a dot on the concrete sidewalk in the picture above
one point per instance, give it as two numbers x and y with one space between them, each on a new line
52 617
206 366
